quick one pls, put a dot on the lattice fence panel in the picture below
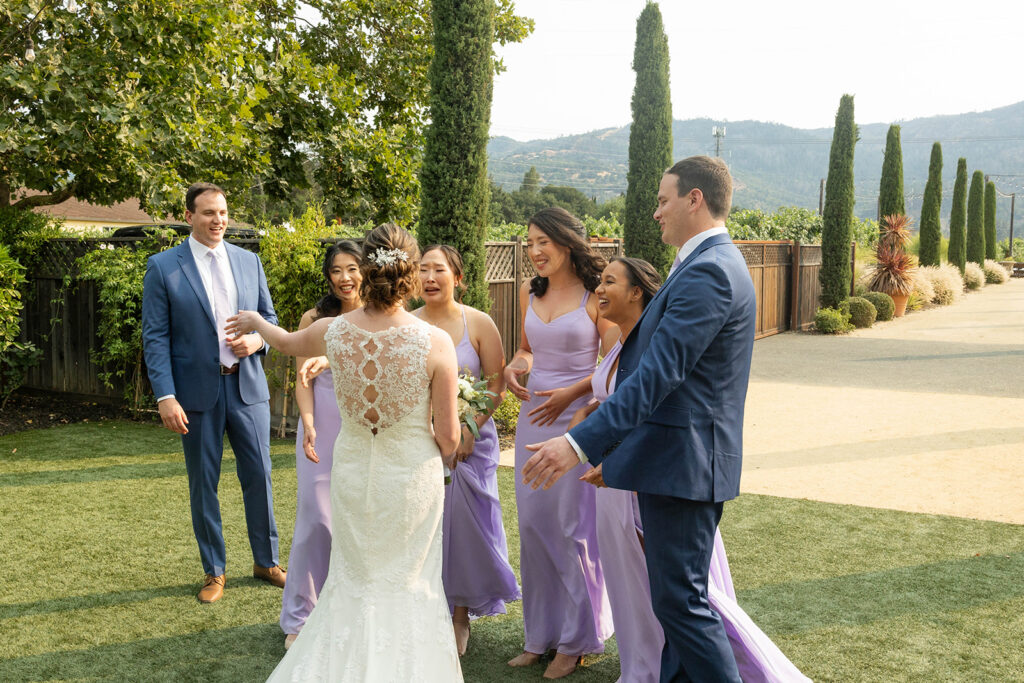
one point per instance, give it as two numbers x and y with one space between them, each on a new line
500 259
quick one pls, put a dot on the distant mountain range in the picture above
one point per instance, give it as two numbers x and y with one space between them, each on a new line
776 165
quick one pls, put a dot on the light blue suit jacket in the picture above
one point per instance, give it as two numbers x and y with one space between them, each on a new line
180 338
674 425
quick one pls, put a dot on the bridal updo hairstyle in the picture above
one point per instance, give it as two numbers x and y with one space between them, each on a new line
390 284
566 230
329 305
641 274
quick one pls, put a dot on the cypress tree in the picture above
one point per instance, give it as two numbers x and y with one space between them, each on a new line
531 181
890 191
990 220
455 193
976 219
837 218
650 140
931 226
957 252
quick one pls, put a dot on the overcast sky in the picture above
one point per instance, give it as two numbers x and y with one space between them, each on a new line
787 61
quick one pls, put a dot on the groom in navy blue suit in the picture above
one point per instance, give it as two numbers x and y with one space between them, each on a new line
208 385
673 428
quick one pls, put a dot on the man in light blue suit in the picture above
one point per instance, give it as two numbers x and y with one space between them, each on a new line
206 384
673 428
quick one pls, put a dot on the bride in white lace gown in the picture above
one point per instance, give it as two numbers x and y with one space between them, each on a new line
382 614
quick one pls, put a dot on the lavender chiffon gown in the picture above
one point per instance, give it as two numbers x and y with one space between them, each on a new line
475 570
311 542
565 605
637 631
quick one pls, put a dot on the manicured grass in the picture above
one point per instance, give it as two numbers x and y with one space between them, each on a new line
102 571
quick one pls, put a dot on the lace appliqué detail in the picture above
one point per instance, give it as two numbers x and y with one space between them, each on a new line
379 377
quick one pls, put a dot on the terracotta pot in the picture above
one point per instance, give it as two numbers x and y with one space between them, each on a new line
901 304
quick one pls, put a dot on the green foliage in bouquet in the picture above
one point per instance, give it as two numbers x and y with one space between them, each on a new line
474 399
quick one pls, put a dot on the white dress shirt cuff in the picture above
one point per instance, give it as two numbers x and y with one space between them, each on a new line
164 398
575 446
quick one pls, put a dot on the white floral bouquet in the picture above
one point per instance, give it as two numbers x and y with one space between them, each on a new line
473 399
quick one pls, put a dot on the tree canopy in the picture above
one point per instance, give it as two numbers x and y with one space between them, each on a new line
142 97
837 218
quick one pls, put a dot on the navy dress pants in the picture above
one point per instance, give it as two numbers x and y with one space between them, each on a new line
248 431
679 536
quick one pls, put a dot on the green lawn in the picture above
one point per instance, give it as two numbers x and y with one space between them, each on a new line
102 572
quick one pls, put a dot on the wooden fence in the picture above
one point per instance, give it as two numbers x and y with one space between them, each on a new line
62 320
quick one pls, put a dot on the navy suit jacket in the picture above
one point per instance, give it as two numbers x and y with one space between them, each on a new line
674 425
180 338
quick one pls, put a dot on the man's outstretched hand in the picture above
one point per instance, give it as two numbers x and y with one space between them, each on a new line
551 460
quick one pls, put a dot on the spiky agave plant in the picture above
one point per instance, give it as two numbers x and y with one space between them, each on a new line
894 271
895 231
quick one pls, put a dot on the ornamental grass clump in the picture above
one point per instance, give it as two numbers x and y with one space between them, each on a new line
946 281
832 321
883 304
974 276
995 274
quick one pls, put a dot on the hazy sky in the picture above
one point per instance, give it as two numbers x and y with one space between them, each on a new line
787 61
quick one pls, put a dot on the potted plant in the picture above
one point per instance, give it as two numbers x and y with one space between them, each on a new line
893 272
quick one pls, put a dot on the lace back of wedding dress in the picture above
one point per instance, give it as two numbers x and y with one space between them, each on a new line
379 377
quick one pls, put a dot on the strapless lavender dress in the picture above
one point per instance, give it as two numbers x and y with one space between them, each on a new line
565 605
311 543
637 631
475 570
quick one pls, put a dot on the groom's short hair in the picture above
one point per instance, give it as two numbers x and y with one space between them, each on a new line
711 176
196 189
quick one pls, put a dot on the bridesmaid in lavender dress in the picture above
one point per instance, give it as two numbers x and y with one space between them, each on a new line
565 606
627 285
478 579
319 425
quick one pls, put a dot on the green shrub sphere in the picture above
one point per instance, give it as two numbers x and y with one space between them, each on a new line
883 304
862 312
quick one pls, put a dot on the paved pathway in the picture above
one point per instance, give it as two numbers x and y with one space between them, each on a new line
923 413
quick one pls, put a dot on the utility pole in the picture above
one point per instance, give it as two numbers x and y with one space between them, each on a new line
718 133
821 197
1013 199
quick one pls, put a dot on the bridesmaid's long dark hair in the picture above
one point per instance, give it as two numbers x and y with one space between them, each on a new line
329 305
566 230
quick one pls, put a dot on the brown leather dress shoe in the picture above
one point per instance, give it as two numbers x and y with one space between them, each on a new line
212 590
272 575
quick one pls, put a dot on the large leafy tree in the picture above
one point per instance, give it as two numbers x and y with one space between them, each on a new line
140 97
956 252
990 220
976 219
931 226
369 168
650 139
890 190
266 97
837 218
454 175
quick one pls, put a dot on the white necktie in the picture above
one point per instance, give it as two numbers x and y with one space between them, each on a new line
221 307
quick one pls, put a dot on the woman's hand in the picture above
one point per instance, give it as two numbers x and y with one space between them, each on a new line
547 412
465 448
582 414
243 323
512 373
309 442
594 476
311 369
